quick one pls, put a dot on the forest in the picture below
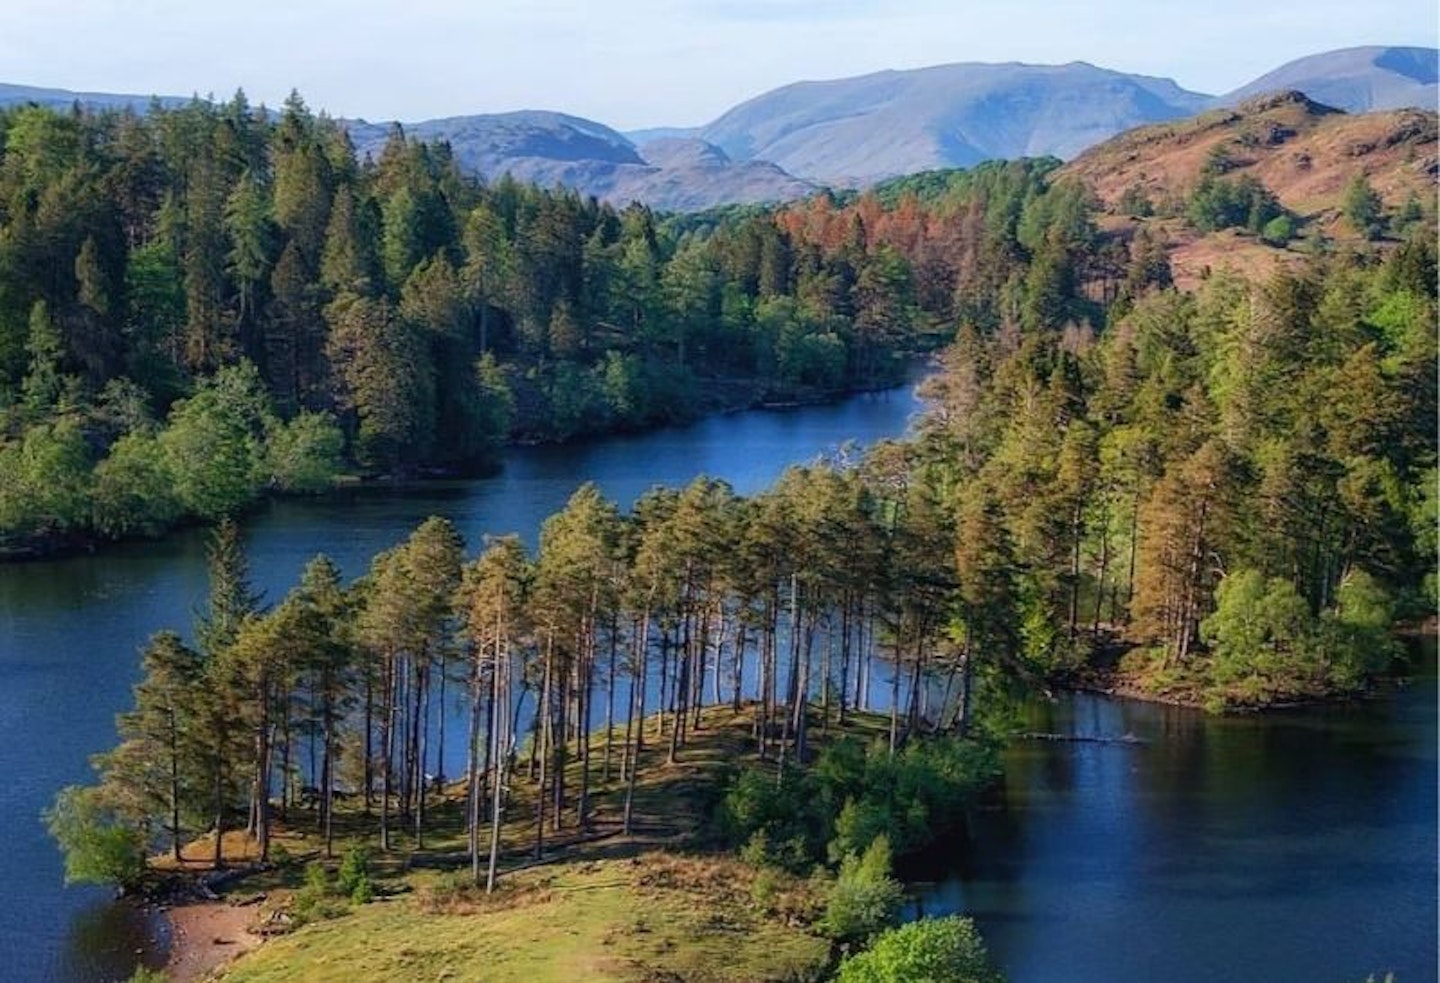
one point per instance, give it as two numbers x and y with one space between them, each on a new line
1236 488
219 276
1224 497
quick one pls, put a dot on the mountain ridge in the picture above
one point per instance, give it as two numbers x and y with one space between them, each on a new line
1357 80
865 128
852 131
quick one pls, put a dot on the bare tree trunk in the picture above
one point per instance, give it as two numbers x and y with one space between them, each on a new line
1100 583
327 768
421 736
472 771
387 742
369 767
637 702
1074 612
895 700
610 699
174 783
542 723
499 753
219 858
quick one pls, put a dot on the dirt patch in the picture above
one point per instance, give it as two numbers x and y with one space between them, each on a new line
205 935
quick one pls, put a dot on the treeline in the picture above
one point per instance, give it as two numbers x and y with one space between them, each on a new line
426 317
1240 483
782 603
1237 485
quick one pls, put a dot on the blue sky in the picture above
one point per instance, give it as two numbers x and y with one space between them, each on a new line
632 63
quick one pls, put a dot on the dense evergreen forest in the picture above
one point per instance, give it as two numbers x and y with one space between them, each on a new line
201 304
1236 487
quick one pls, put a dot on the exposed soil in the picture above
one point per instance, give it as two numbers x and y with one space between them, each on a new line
205 935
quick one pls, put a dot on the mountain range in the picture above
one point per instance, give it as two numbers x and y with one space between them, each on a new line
855 131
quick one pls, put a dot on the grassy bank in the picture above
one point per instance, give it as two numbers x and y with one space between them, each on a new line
654 916
666 902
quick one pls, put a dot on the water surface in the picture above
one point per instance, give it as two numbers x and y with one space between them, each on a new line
71 629
1298 847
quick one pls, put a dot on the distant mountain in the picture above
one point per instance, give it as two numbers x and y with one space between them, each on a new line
1357 80
689 174
552 148
13 95
653 133
529 144
863 129
853 131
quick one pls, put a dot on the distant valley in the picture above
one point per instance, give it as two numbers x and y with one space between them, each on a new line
852 132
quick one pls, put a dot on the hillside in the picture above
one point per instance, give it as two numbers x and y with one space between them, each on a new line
554 149
859 130
845 132
1304 152
19 95
1357 80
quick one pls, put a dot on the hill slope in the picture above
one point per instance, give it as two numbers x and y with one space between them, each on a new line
1357 80
552 148
859 130
1303 152
19 95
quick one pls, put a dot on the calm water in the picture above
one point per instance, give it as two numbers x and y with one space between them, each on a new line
70 630
1299 848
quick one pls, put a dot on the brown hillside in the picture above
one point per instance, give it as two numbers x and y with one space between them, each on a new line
1305 153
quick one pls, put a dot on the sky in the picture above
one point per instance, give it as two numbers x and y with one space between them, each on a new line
634 63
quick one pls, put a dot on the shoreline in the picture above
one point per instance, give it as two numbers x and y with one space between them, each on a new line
203 936
69 544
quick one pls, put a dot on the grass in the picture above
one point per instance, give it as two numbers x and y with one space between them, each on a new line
651 907
646 919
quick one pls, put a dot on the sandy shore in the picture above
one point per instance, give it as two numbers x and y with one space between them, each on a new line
205 935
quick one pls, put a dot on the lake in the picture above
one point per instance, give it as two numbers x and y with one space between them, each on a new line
1296 847
1289 848
71 629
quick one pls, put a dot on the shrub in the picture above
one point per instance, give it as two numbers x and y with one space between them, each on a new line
778 824
353 878
864 898
1136 203
932 950
315 901
283 859
1221 203
1363 208
98 848
1279 230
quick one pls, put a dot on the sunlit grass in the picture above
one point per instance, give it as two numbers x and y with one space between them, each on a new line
601 907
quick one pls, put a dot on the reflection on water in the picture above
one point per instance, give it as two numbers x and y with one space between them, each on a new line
106 940
1291 848
70 629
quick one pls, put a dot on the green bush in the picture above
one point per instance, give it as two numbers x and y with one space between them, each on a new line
853 794
864 898
1222 203
98 847
315 901
932 950
1279 230
353 879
